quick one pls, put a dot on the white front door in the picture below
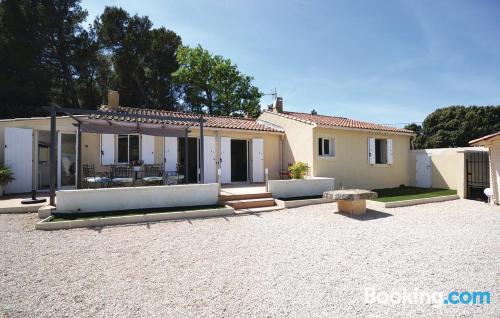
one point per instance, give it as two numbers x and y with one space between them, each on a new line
170 157
66 160
423 175
18 156
258 160
209 164
225 159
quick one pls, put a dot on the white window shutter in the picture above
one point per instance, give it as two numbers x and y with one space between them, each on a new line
390 157
148 149
107 149
171 146
371 151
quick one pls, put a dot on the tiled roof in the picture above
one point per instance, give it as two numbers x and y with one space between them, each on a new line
210 121
339 122
484 138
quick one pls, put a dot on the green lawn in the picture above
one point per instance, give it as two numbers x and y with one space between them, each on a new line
410 193
96 215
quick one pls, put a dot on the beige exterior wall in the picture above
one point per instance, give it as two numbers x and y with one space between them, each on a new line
495 170
493 146
271 145
447 168
297 144
63 124
350 166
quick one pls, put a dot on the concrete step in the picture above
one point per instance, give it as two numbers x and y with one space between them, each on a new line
245 196
251 203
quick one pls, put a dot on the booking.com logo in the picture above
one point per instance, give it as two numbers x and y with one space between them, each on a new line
417 296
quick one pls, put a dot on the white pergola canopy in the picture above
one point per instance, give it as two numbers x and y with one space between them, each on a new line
105 126
115 122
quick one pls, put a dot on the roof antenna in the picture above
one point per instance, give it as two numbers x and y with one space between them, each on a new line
274 94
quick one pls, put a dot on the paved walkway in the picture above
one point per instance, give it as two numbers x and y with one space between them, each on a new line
12 204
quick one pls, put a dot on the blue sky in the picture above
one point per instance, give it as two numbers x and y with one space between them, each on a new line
382 61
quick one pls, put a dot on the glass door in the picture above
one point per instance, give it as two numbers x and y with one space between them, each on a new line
66 163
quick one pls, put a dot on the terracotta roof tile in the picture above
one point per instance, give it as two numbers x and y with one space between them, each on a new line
211 121
339 122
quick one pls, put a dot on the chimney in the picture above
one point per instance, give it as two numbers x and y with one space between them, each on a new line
278 105
113 99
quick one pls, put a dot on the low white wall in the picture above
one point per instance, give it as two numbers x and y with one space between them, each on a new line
95 200
300 188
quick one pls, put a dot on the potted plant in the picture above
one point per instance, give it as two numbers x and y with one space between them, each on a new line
136 164
298 170
6 176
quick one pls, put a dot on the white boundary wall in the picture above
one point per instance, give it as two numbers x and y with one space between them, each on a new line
95 200
300 187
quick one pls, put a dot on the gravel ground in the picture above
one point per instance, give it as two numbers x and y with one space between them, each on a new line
299 262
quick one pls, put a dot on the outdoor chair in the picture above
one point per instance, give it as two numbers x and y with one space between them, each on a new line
122 175
153 174
93 180
172 177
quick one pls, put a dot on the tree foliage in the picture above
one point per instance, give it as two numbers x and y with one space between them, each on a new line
455 126
48 56
214 85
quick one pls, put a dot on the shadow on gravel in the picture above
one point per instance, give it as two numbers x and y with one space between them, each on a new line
370 215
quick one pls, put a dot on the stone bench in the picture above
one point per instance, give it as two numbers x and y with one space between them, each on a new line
352 201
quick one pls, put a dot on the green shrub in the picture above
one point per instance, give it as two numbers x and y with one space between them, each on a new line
298 170
6 175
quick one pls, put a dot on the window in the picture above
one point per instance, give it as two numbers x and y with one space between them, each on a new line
381 151
128 148
326 147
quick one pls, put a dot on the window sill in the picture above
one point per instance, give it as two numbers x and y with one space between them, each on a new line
327 157
381 165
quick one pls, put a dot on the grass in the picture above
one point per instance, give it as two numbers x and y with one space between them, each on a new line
410 193
301 198
96 215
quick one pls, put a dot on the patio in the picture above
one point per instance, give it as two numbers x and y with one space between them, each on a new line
308 261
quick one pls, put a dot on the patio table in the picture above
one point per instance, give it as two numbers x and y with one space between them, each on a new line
351 201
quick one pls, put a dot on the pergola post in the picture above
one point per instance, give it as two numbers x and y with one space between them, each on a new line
79 157
202 157
53 155
186 157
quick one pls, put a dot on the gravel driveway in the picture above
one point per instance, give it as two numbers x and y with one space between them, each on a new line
299 262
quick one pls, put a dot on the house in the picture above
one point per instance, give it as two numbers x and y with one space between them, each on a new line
357 154
492 142
241 148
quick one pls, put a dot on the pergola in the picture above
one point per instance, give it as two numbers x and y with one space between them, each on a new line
114 122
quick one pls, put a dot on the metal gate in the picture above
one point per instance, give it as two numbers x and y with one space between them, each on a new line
477 168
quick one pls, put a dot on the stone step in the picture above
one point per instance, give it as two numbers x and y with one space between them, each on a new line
250 203
245 196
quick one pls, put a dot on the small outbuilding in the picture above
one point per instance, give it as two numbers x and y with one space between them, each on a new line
492 142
